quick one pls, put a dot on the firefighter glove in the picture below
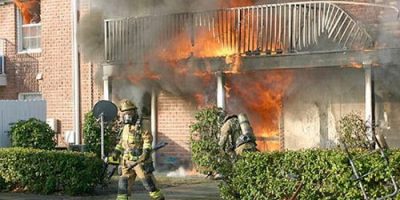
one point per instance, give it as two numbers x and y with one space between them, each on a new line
116 154
145 155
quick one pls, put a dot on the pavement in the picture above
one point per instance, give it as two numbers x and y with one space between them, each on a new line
174 188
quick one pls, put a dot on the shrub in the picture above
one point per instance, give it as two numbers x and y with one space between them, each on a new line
206 154
45 172
3 184
92 135
352 131
32 133
326 174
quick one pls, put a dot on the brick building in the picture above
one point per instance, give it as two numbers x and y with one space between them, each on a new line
38 60
37 63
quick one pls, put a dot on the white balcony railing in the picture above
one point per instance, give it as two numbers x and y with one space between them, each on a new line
263 29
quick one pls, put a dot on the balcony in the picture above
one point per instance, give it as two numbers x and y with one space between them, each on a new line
272 29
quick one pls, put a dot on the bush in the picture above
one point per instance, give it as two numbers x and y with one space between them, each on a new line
206 154
326 174
92 135
352 131
45 172
32 133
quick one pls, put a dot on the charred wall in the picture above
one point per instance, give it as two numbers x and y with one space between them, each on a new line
319 98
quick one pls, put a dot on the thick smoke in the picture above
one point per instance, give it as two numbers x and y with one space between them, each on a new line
387 75
184 78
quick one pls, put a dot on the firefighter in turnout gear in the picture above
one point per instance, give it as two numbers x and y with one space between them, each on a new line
237 135
135 149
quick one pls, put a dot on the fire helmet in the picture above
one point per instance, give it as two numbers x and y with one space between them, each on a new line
126 105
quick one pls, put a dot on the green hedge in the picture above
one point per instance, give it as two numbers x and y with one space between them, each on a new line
92 135
45 172
32 133
326 174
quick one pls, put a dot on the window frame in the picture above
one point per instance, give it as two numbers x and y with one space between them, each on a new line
23 95
21 49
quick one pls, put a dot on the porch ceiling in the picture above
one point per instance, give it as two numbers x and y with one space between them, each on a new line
355 59
377 57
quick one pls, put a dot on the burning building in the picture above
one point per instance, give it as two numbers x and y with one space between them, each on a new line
294 67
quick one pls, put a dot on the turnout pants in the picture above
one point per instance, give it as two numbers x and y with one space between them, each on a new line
128 177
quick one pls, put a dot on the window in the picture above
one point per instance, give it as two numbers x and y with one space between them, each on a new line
2 52
30 96
28 26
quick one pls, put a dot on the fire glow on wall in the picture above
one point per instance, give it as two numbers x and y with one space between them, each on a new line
30 10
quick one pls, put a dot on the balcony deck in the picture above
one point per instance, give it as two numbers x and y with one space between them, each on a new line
286 35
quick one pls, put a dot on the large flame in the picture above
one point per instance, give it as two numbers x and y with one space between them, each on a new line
30 10
261 95
208 45
258 94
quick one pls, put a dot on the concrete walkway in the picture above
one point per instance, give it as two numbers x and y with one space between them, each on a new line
187 188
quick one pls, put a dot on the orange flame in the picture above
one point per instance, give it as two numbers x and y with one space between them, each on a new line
356 65
234 63
146 74
261 93
207 45
177 48
235 3
30 10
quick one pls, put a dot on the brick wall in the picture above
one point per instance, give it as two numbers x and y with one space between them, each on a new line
56 65
54 62
174 117
21 69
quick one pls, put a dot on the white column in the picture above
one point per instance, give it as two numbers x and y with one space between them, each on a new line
220 90
106 88
153 121
107 73
369 97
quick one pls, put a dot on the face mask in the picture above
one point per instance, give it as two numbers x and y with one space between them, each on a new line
127 119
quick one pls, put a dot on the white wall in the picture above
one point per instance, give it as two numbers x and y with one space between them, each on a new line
317 101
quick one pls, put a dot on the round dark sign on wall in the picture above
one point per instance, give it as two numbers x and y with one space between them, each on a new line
107 108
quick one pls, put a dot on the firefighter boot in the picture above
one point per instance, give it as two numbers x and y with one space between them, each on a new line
156 195
122 188
149 184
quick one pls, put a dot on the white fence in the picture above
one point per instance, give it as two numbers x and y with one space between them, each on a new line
12 111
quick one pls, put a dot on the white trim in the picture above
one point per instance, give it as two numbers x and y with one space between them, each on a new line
19 30
27 51
20 37
3 56
75 73
23 95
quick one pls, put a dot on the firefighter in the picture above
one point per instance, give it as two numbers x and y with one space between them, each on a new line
237 135
135 147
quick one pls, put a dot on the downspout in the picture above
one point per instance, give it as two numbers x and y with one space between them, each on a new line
75 73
